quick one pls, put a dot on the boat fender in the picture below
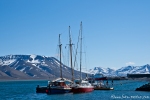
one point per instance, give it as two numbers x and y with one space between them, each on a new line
46 90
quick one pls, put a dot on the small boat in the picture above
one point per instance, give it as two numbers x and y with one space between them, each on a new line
99 85
102 86
97 81
58 86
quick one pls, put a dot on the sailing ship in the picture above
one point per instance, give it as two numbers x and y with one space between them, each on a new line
58 86
81 86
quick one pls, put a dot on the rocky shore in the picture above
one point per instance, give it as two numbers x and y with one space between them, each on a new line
145 87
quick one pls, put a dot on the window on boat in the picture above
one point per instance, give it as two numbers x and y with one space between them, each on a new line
62 84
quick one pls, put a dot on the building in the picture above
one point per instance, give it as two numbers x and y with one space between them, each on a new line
138 75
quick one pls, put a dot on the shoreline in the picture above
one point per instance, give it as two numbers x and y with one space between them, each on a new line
10 80
109 78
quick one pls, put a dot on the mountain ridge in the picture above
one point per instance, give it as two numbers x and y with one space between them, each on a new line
32 67
123 71
44 67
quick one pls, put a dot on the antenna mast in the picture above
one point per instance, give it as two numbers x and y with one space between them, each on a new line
81 52
60 45
70 45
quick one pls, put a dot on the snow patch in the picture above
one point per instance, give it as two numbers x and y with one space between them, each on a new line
43 64
1 62
31 68
33 56
34 75
57 62
16 63
33 59
34 64
8 62
22 69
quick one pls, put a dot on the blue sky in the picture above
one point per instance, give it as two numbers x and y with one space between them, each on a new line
116 32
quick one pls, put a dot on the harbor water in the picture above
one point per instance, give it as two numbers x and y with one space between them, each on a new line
26 90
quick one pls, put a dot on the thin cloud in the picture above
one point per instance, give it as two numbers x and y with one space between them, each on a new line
130 63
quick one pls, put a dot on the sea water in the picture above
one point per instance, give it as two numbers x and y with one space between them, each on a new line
26 90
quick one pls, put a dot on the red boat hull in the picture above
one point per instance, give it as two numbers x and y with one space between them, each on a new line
81 89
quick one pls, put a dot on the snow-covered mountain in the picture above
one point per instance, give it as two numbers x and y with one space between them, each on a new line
42 67
32 67
145 69
104 71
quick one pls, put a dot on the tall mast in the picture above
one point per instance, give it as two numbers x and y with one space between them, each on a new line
81 52
60 58
70 45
